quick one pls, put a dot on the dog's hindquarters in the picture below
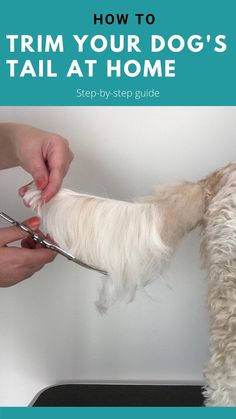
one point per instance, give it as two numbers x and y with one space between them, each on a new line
181 207
218 250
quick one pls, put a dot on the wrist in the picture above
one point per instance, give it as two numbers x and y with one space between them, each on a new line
10 138
7 145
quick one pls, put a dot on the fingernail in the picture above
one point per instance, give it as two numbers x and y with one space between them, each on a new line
33 222
22 191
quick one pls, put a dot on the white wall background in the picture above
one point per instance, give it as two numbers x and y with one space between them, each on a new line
50 331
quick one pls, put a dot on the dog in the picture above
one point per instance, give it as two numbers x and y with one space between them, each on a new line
218 249
133 241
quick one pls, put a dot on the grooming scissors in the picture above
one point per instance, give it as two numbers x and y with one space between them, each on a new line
47 244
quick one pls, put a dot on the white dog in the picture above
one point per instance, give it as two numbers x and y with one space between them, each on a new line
131 241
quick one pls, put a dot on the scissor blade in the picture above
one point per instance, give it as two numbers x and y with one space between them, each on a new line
69 256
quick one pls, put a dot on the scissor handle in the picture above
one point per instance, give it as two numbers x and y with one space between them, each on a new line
46 243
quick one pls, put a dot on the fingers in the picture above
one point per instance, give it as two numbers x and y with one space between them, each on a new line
11 234
30 243
23 189
55 180
37 257
37 168
17 264
59 157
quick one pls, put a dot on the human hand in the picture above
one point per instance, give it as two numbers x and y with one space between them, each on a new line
17 264
46 156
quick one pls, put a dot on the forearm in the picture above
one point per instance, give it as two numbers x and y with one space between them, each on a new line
7 154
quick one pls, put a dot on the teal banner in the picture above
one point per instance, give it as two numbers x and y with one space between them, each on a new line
115 413
126 53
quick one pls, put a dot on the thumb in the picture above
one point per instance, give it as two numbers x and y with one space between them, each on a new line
11 234
37 168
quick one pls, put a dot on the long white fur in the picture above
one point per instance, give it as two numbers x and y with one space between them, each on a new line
122 238
219 253
132 241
